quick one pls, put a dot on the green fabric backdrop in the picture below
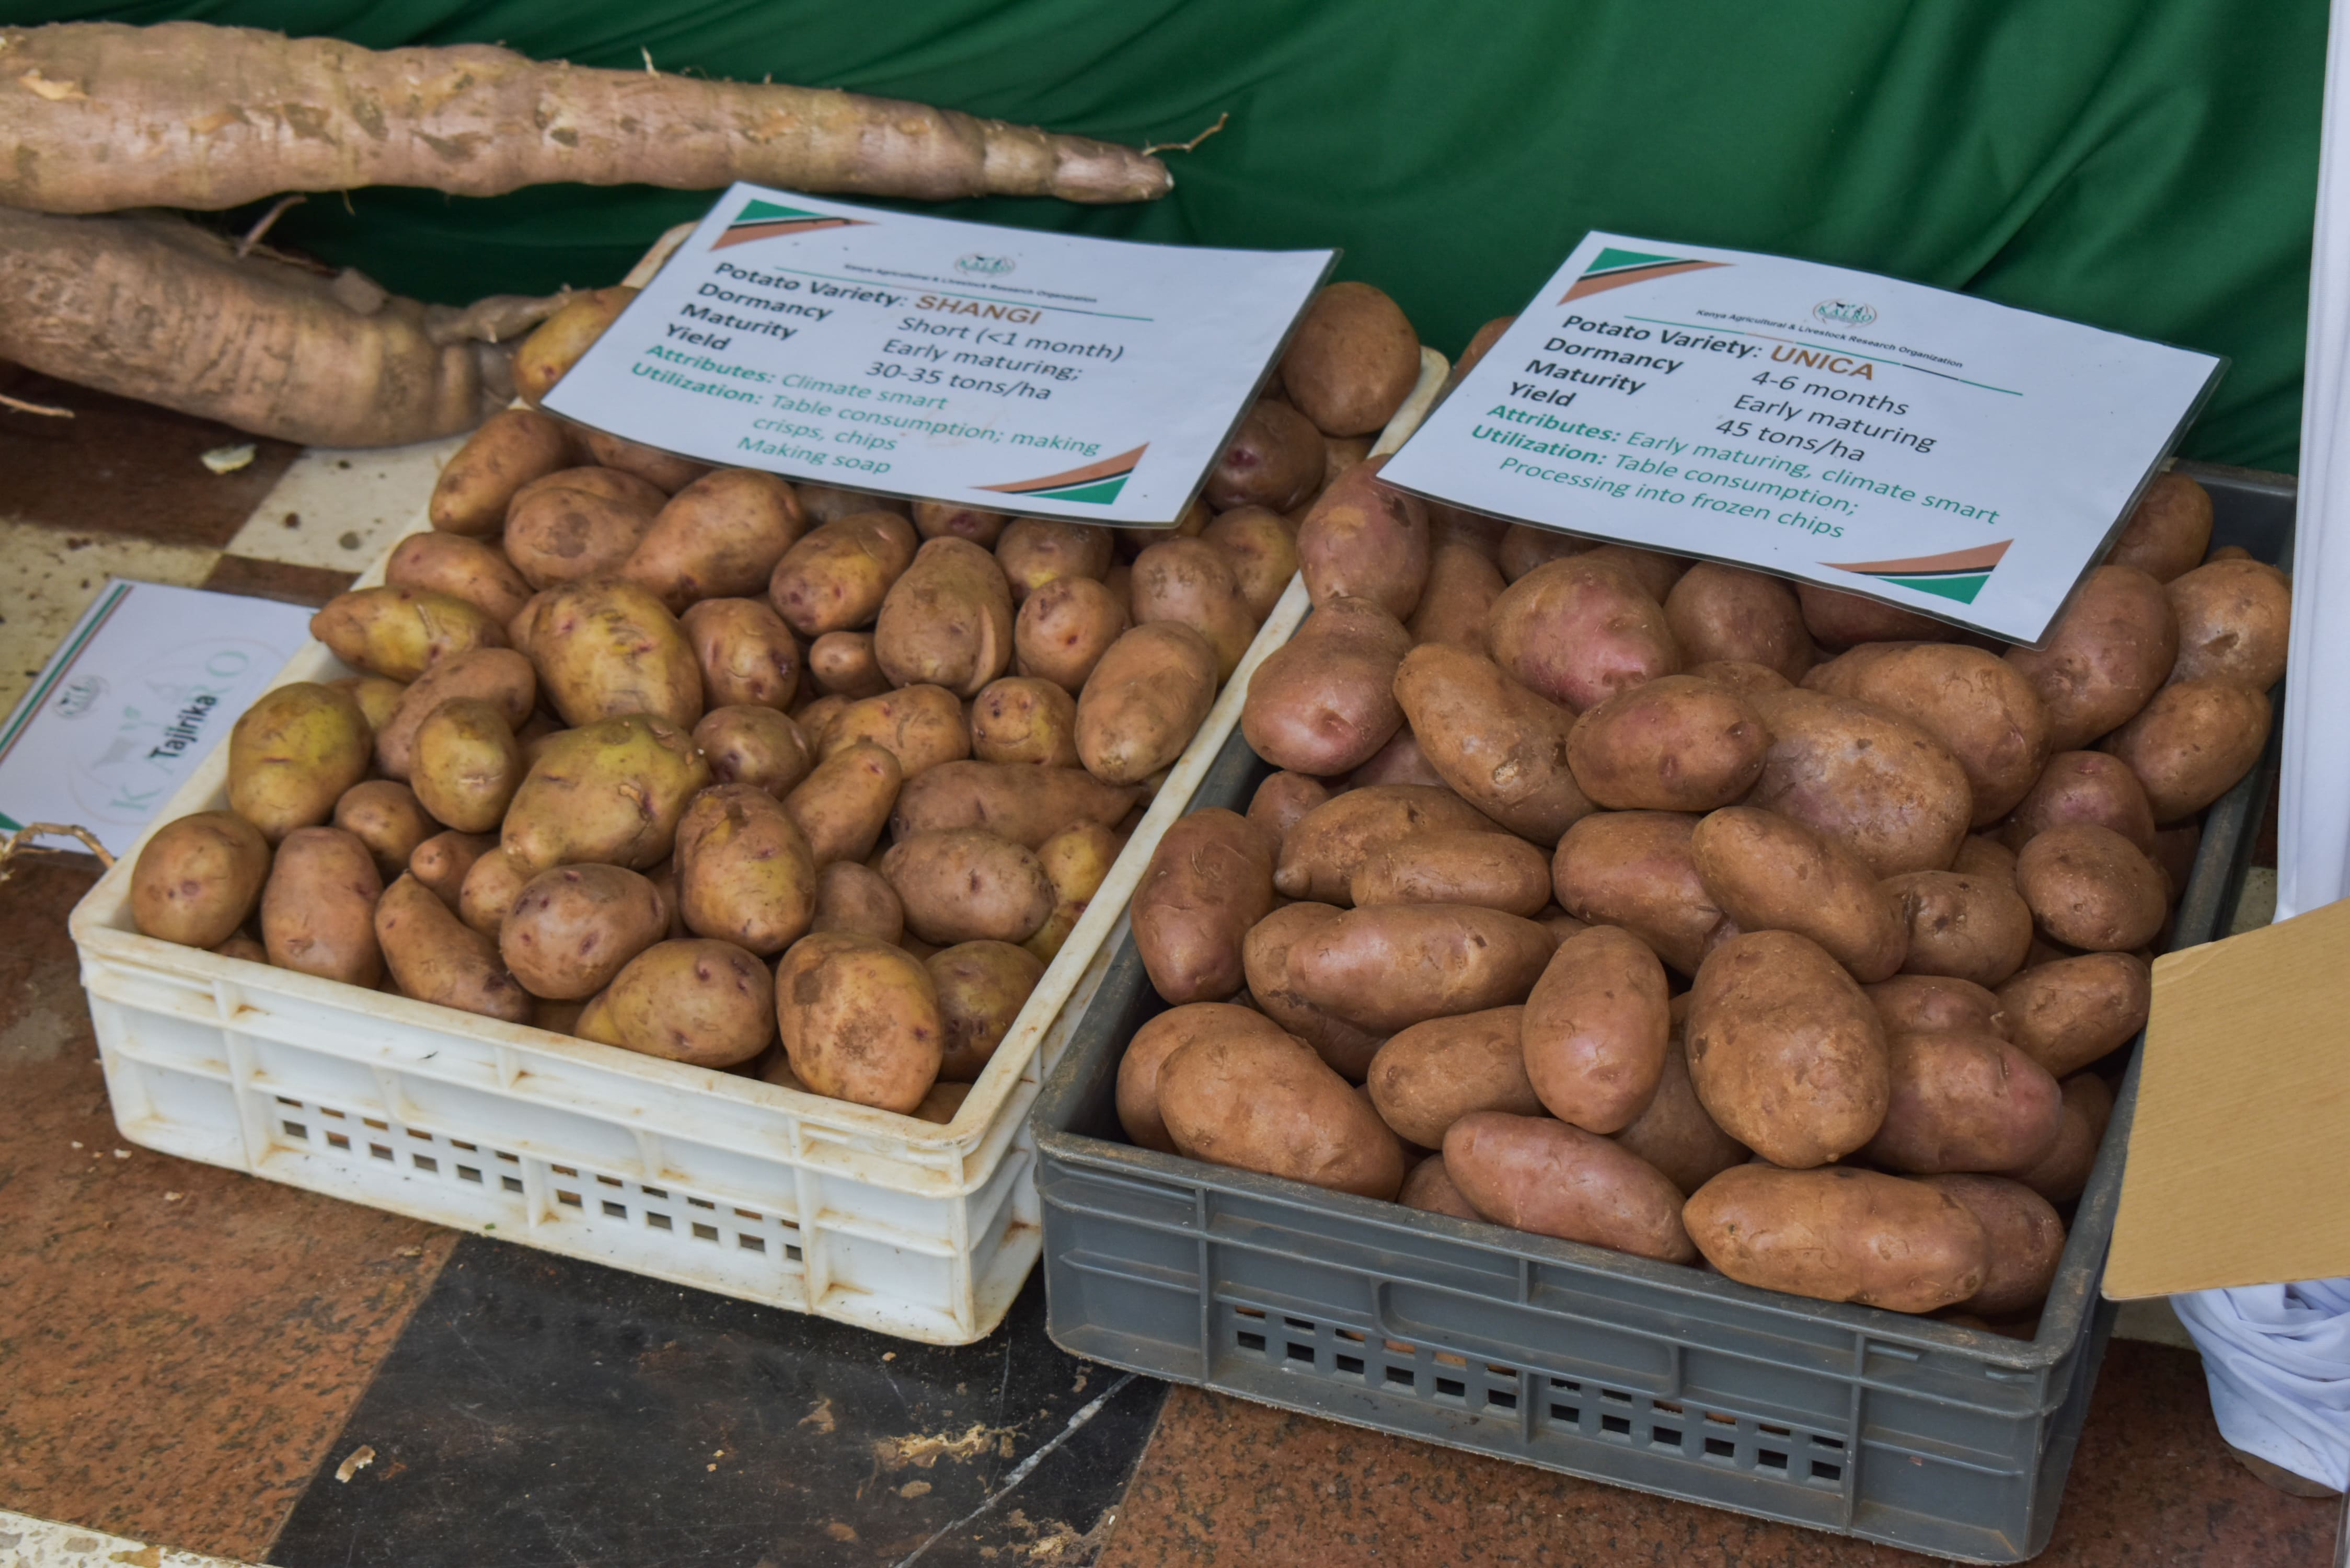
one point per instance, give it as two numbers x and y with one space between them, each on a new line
2145 166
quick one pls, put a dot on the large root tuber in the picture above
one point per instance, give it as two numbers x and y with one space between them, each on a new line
158 309
99 117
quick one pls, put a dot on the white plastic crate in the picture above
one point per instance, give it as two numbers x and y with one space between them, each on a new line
704 1177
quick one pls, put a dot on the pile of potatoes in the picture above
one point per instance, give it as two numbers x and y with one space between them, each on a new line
1674 909
630 730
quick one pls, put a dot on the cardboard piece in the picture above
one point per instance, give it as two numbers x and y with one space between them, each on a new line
2236 1172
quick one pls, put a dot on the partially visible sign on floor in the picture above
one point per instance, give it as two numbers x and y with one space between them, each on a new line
146 684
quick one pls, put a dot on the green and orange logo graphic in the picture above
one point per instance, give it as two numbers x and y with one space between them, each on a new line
1613 268
1097 483
1957 575
761 220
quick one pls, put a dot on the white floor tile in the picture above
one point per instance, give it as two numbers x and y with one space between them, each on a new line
341 509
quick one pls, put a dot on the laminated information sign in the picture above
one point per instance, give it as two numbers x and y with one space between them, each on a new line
1956 457
1051 375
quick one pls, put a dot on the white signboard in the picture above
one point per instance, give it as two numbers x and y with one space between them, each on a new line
1949 455
147 683
1051 375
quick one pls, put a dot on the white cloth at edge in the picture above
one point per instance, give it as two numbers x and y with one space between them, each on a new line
2278 1360
2277 1357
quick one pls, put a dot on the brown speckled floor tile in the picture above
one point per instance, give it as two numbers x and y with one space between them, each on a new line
276 580
1231 1484
124 467
178 1344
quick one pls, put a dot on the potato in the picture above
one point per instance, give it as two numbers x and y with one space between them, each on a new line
389 819
1428 1188
834 577
2062 1173
1840 1235
1431 1074
1210 880
1364 539
1189 581
318 908
570 931
2024 1237
1595 1028
1387 968
491 884
1038 551
1746 680
435 957
1919 1004
1524 547
2090 888
1021 720
497 675
1636 869
1492 870
1579 631
1352 361
1261 549
1324 702
560 532
1400 761
1840 620
1655 571
966 884
2175 849
1462 583
857 899
2111 649
1675 1134
2233 620
1533 1174
1275 460
1161 1037
1963 1102
2191 743
442 861
2168 530
239 946
705 1004
1976 929
744 873
1257 1101
1981 709
1787 1054
468 764
1498 744
2082 786
399 633
2075 1010
1264 955
1727 613
982 988
556 344
627 488
860 1019
377 698
462 568
946 620
1769 872
950 519
842 806
815 715
1282 801
718 537
1077 860
1018 801
941 1104
664 470
609 792
607 650
292 754
512 447
923 726
747 657
1982 856
1863 778
1674 743
1320 854
824 504
1064 627
1144 701
755 745
843 662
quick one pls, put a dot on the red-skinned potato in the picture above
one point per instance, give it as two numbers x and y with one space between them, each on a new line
2089 888
2082 786
2062 1174
1492 870
1976 929
1787 1054
1462 583
1921 1003
1500 745
1264 954
1636 869
1524 547
2191 743
1579 631
1431 1074
1840 620
2168 530
2075 1010
1255 1102
1161 1037
1394 965
1716 612
1595 1028
1400 761
1353 361
1428 1189
1963 1102
1207 882
2111 649
1675 1134
1324 702
1864 778
1282 801
1366 540
1769 872
1840 1235
1326 847
1980 708
2025 1239
2233 616
1533 1174
1275 460
1655 571
1674 743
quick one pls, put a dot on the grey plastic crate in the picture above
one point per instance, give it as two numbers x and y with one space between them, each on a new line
1920 1433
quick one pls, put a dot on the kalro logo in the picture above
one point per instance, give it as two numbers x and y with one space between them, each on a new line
1849 312
79 696
984 267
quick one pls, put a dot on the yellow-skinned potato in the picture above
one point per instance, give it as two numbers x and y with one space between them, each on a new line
2090 888
435 957
745 874
468 764
442 861
1144 702
921 726
1533 1174
1261 548
462 568
2233 616
2168 530
834 577
946 620
982 988
607 650
292 754
497 675
1981 708
561 532
1595 1028
843 662
966 884
947 519
2109 651
1867 779
1394 965
1264 1102
399 633
197 877
1968 927
1325 702
1161 1037
1064 629
1431 1074
718 537
1276 460
556 343
609 792
1498 743
1035 551
747 656
611 484
491 885
1636 869
1840 1235
1674 743
665 470
860 901
1769 872
1716 612
842 806
1578 632
706 1004
569 931
1207 882
389 819
1364 539
1353 361
1017 801
827 504
1020 719
755 745
377 698
1191 582
512 447
860 1019
1077 861
1494 870
1787 1054
2191 743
